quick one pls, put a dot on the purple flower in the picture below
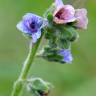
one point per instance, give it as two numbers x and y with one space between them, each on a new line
67 56
31 24
63 13
82 20
66 13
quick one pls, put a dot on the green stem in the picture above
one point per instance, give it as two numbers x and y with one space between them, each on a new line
27 64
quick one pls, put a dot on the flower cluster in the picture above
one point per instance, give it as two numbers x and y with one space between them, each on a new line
60 24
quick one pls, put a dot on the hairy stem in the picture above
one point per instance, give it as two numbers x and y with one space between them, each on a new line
18 85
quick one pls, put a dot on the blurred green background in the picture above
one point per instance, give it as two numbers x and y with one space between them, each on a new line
78 79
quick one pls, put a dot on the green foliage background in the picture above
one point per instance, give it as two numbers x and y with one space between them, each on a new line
78 79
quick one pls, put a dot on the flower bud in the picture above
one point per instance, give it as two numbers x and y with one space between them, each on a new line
38 87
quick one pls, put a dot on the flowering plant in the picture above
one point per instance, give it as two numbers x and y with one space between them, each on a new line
59 28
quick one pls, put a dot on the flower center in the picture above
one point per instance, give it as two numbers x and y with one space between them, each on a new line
59 14
32 25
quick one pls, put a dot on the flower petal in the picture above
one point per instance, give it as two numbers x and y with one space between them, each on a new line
69 11
28 16
80 12
70 20
59 3
82 20
60 21
65 14
36 36
67 56
20 26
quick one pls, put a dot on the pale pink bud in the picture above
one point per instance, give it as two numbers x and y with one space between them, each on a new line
82 20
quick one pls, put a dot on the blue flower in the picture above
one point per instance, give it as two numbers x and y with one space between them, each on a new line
66 54
32 24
